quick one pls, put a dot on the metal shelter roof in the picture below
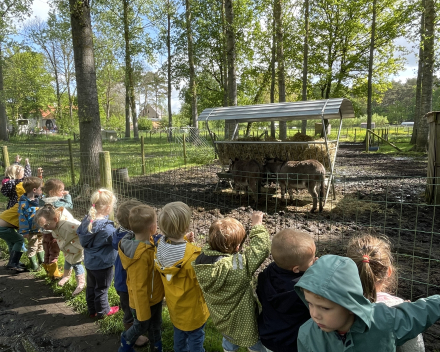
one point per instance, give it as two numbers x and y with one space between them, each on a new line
301 110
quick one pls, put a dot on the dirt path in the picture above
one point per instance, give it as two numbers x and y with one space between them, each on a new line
33 319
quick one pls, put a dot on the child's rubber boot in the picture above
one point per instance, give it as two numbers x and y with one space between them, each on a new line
80 284
45 268
14 262
34 263
65 278
53 272
40 256
125 346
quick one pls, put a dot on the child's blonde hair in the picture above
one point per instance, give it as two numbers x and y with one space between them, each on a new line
48 212
373 259
101 199
54 185
291 248
225 235
141 218
124 212
175 219
12 171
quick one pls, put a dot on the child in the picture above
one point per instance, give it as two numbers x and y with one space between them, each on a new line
373 258
145 286
283 312
27 206
63 229
120 273
225 274
57 197
14 175
342 318
95 235
186 305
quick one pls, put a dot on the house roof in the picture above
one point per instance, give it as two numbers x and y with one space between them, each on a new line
301 110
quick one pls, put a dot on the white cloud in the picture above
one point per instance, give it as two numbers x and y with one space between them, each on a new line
40 9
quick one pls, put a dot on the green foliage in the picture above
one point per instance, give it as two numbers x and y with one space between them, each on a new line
145 124
115 122
27 83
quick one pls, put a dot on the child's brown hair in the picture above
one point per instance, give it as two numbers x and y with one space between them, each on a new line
226 234
124 212
141 218
175 219
53 185
29 183
291 247
48 212
373 258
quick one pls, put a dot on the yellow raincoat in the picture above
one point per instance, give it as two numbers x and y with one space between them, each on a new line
11 215
185 301
144 284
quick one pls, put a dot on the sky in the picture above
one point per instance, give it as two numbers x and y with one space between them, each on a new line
41 8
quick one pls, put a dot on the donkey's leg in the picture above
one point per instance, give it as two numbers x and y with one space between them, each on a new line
314 194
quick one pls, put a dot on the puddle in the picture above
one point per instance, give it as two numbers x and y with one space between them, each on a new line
402 158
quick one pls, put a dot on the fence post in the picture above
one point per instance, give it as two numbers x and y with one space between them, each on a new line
143 155
5 156
150 136
355 135
105 169
367 141
72 168
184 149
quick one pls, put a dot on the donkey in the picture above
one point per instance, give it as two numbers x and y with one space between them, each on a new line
246 174
298 174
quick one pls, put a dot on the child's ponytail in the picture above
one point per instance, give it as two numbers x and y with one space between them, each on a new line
101 199
373 258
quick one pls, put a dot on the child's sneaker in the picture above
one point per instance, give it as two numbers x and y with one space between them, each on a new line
93 315
113 310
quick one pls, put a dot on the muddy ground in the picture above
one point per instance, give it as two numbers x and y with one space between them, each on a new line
374 193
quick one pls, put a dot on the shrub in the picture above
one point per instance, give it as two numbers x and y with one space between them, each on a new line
145 124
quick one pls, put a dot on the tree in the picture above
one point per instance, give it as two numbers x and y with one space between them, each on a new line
427 75
305 62
370 67
192 74
88 106
232 75
11 11
27 83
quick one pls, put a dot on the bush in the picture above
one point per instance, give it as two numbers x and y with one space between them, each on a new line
145 124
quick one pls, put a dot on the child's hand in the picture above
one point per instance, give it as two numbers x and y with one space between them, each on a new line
190 236
17 159
65 193
27 161
257 218
40 172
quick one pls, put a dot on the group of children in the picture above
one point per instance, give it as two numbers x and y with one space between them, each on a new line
304 303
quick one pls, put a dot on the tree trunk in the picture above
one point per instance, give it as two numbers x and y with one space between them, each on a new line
232 76
224 57
305 63
427 75
278 15
87 93
192 73
370 69
418 111
273 74
127 70
170 113
3 118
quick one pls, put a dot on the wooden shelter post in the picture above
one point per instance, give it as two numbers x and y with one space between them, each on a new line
433 177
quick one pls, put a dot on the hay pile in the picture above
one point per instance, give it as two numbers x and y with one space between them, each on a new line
276 149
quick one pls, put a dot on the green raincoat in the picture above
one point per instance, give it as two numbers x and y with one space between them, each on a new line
377 327
226 286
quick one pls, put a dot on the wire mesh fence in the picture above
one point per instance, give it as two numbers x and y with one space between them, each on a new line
393 206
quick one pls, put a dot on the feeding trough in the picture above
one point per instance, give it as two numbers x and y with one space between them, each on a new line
323 150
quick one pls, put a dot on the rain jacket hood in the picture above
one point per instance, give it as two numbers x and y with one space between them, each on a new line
186 304
98 249
376 327
337 279
145 287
